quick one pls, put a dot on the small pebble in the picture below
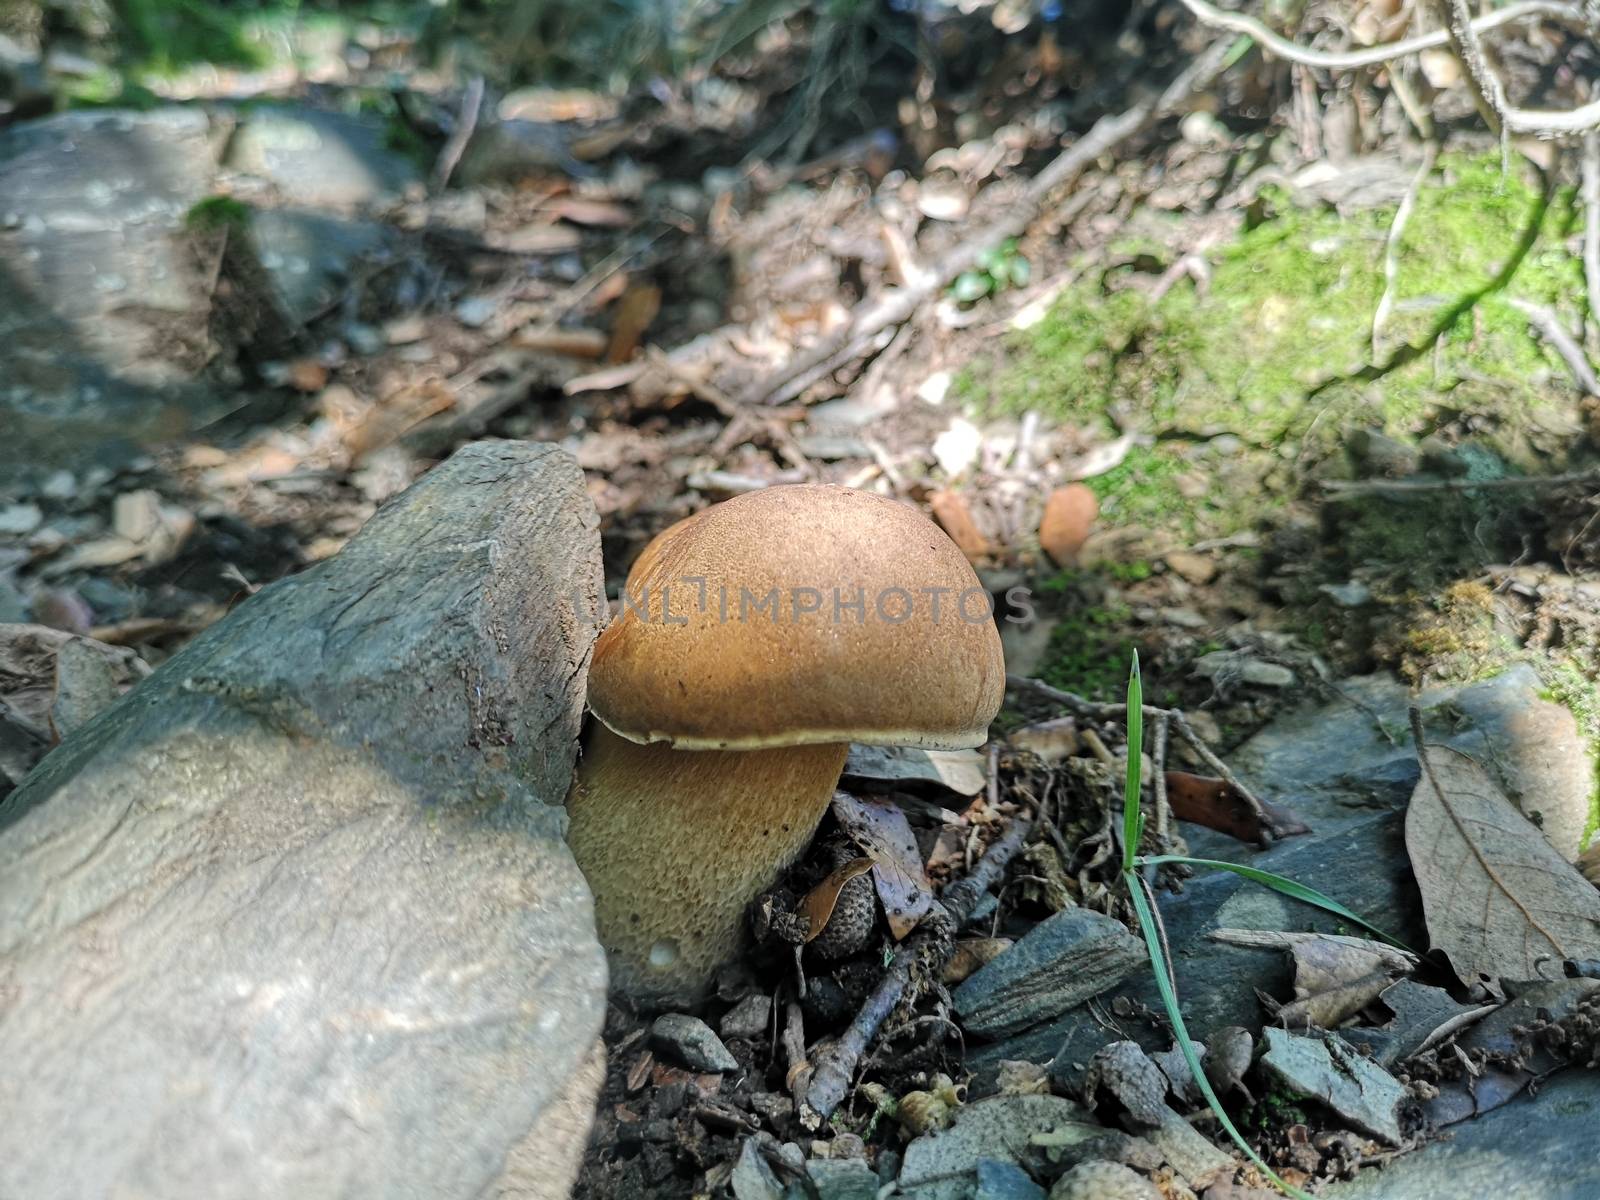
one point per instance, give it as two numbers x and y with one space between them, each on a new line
475 311
748 1018
690 1041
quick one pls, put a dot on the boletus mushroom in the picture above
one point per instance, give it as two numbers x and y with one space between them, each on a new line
756 640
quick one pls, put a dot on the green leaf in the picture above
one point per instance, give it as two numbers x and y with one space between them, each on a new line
1278 883
1169 1000
991 260
1021 271
1131 817
970 286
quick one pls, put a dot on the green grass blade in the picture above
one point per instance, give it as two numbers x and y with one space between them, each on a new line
1169 1000
1278 883
1131 816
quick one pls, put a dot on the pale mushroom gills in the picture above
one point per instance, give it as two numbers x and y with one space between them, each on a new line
756 640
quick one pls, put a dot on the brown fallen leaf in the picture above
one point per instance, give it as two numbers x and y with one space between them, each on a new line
1069 515
880 830
635 311
572 343
1589 863
1497 897
1217 804
1322 963
582 211
955 518
819 902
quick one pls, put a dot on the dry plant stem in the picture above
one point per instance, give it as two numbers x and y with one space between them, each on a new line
1541 122
794 1050
1391 252
1344 489
1158 755
1372 56
1591 223
1084 707
1563 343
872 317
835 1068
456 144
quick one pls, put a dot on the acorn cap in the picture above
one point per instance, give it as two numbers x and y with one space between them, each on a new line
798 615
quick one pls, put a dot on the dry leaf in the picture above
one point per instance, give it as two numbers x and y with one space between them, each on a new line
637 308
882 832
1053 741
1068 517
819 902
1497 896
1217 804
955 518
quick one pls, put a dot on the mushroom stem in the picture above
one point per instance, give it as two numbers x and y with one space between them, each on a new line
675 845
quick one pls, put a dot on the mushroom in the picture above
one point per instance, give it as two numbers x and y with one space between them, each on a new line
756 640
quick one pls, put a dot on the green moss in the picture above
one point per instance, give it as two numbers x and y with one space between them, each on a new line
217 212
1278 349
1089 648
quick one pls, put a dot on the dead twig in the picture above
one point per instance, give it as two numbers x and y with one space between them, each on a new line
1372 56
456 144
1346 489
1391 252
873 317
1549 327
1591 223
926 949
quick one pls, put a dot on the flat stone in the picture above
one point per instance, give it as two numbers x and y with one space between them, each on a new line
1195 568
1231 665
1535 1148
311 256
1060 963
944 1165
843 1179
100 283
18 519
999 1180
1357 1089
319 159
690 1041
753 1177
749 1018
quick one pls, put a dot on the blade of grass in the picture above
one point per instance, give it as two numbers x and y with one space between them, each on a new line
1278 883
1132 818
1169 1001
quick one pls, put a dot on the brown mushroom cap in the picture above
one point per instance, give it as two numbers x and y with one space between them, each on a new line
826 614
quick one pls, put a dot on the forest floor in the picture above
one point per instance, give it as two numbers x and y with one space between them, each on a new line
1304 389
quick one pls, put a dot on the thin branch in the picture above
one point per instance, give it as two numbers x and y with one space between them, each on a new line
1563 343
1345 489
1591 222
1373 56
1391 252
456 144
835 1067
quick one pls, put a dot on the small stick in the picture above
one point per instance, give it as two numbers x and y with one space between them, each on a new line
1391 251
835 1066
1549 327
1372 56
456 144
1591 222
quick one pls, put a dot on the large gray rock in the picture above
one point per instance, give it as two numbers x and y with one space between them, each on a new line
319 159
295 917
102 304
